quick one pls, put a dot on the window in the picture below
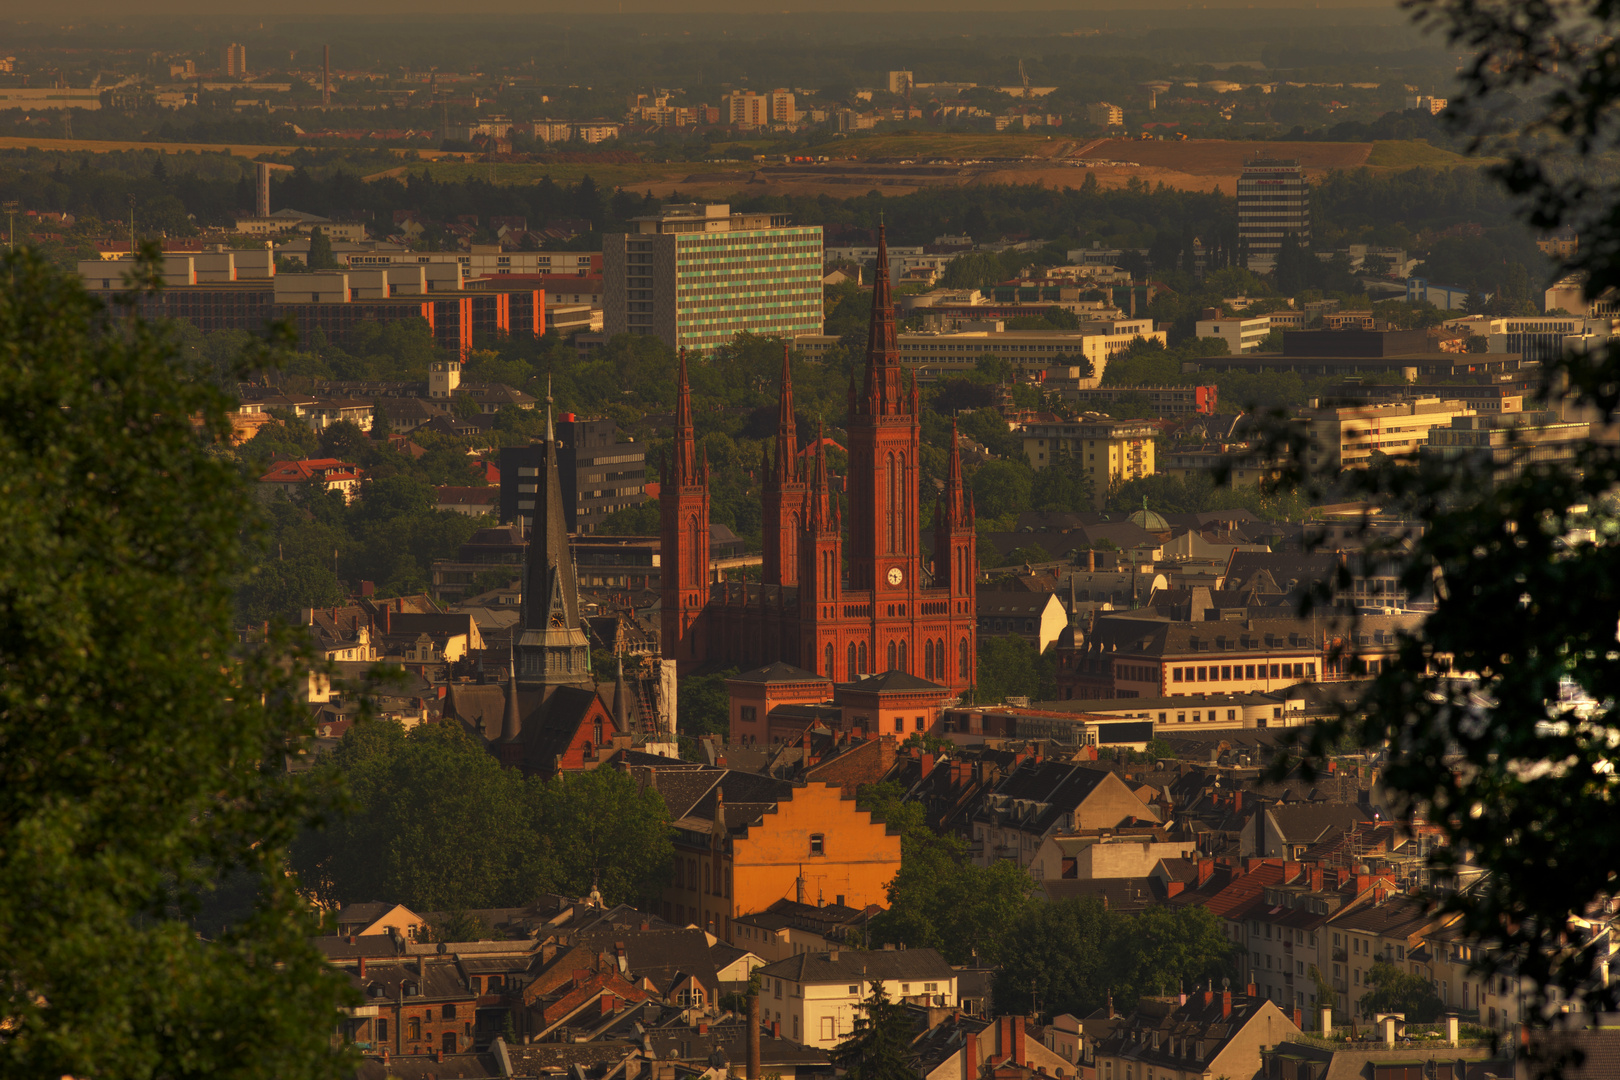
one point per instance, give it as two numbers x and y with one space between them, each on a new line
826 1028
413 1028
474 983
855 989
778 990
921 723
818 844
1175 674
382 1030
930 988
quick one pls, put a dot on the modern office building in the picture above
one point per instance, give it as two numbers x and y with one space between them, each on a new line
601 472
697 275
1273 200
233 64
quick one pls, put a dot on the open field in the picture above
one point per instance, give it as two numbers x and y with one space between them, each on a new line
104 146
895 164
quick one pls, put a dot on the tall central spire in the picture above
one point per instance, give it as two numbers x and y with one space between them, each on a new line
686 470
787 428
882 394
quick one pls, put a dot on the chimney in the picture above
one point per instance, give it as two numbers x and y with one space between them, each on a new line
1327 1020
421 967
1209 994
1299 1018
1020 1054
1237 802
1389 1032
776 1029
1451 1030
1251 991
926 762
1290 871
970 1050
752 1068
1226 1004
703 1029
362 967
1206 870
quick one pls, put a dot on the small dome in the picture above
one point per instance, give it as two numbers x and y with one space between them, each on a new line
1150 520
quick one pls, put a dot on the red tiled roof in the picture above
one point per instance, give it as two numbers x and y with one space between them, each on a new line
296 472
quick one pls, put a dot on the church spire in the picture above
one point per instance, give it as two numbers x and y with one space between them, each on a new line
686 471
787 428
820 518
882 393
551 645
954 510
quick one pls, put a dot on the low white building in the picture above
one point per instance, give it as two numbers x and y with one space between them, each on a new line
815 997
1240 335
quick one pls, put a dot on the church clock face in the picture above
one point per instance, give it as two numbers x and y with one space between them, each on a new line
896 575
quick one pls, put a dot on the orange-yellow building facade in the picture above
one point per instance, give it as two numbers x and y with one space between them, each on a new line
812 846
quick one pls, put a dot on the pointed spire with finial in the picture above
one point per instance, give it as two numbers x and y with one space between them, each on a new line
882 391
685 431
787 428
621 700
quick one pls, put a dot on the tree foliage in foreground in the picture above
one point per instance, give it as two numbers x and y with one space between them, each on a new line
437 824
1500 714
142 761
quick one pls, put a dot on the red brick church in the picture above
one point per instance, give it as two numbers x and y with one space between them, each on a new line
840 607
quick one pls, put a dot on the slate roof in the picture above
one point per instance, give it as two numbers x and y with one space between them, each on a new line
1153 1033
661 955
421 1067
892 682
685 1044
1313 823
778 672
854 965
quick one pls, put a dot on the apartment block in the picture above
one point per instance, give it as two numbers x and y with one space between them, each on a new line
1112 451
1057 352
697 275
745 108
1347 438
1273 201
233 63
1103 114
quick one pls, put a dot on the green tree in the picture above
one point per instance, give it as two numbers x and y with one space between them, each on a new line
638 520
601 829
701 705
277 588
940 900
1075 952
1001 488
879 1045
1009 666
320 251
1064 485
1395 990
142 759
436 824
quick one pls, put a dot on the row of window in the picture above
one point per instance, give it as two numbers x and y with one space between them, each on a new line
1218 673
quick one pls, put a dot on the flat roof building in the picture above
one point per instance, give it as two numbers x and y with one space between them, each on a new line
696 276
1273 202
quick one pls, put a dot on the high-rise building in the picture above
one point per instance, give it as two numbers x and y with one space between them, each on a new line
746 108
695 276
234 63
782 107
1273 201
600 473
888 608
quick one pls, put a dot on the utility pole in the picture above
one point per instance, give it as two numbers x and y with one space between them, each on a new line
11 225
132 224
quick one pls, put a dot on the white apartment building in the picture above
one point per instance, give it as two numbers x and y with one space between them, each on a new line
815 996
1241 335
